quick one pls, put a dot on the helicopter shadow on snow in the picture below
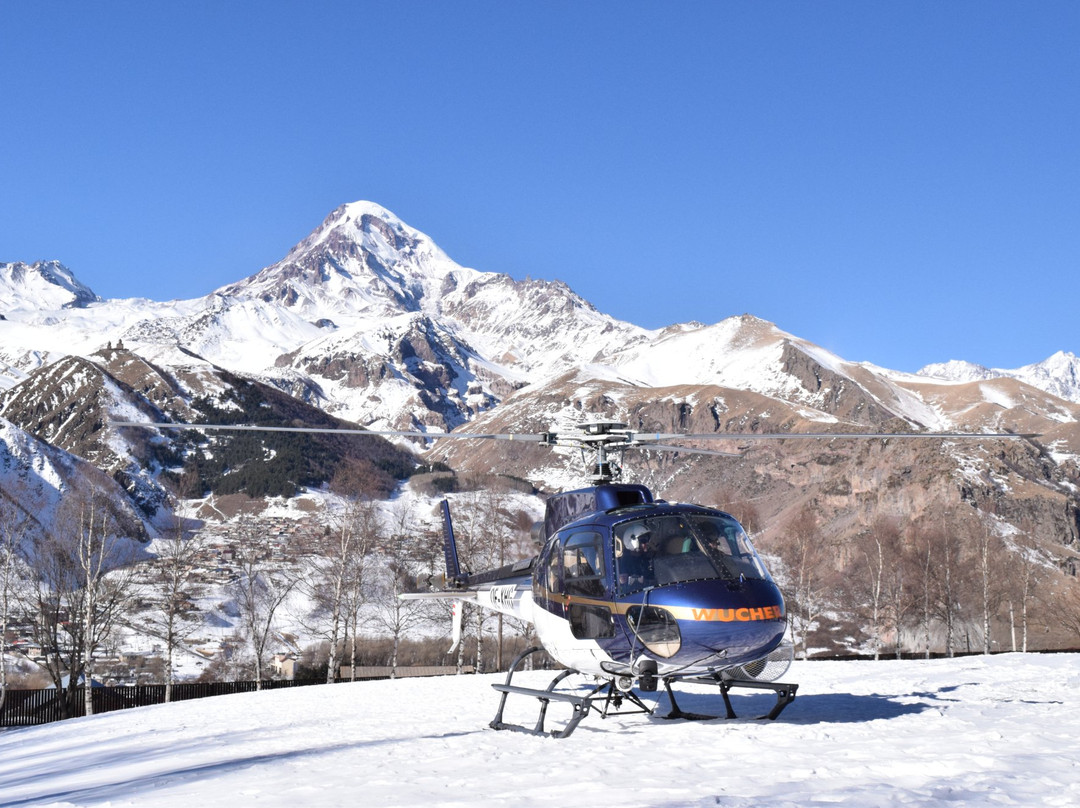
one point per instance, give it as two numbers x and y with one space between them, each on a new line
811 708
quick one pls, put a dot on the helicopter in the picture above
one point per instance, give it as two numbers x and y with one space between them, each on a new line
627 589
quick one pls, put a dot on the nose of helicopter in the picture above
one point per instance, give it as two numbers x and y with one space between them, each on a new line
721 623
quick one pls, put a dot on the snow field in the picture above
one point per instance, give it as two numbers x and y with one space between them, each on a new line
977 731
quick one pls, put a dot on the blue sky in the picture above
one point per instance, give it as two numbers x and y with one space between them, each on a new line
899 183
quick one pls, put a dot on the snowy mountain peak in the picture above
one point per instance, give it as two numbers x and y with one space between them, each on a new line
958 370
371 227
1062 361
361 261
1058 374
41 285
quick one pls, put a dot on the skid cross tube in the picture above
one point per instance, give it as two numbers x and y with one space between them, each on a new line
614 699
785 694
605 692
581 704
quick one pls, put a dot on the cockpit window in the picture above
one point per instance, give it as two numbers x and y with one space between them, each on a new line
583 563
727 543
668 549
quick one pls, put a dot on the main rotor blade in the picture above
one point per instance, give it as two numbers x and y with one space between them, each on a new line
528 438
242 427
739 436
663 447
329 430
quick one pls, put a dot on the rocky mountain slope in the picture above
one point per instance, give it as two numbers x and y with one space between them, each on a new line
36 480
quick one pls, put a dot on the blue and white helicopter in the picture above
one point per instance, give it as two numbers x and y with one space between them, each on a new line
630 591
626 589
634 591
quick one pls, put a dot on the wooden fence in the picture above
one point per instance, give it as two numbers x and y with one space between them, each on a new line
27 707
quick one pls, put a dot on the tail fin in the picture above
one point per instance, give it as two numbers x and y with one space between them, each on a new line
453 569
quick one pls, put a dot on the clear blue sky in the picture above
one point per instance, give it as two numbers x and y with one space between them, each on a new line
898 182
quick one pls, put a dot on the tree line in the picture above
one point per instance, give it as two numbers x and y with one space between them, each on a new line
79 587
961 581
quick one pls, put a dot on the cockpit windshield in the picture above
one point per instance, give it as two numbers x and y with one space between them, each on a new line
662 550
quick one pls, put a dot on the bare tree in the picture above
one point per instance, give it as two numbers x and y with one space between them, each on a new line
392 614
51 596
875 557
105 567
992 579
369 529
949 576
920 560
260 591
499 544
81 586
1067 603
334 580
13 527
175 586
1027 569
399 566
899 592
808 563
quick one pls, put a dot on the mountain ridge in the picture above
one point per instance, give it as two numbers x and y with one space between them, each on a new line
315 286
1058 374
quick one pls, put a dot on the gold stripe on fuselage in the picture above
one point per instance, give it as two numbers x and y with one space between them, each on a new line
745 614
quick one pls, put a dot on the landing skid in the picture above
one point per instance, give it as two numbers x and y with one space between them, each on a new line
785 694
605 692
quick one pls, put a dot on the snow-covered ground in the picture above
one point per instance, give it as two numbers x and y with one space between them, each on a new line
977 731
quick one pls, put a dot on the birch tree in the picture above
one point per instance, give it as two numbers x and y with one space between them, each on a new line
175 586
369 529
260 591
949 577
870 553
992 580
393 615
12 533
1028 569
876 583
496 547
104 565
474 554
807 560
81 585
921 560
399 567
899 592
334 580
